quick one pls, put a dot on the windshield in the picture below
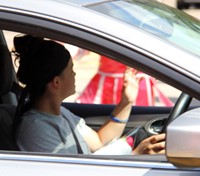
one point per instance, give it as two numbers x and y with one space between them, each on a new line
156 18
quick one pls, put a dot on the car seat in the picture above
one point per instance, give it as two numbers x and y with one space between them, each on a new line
8 100
6 77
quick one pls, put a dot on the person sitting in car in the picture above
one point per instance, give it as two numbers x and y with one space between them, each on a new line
43 125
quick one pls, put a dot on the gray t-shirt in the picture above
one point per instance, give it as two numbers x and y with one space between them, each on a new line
41 132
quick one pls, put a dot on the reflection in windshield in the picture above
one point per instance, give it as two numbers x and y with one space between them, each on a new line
155 18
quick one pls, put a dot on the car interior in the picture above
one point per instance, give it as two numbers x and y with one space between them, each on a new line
150 119
8 98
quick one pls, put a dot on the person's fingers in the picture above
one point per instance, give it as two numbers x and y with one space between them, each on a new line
135 72
159 145
157 138
161 152
128 70
128 73
152 145
137 78
155 148
129 77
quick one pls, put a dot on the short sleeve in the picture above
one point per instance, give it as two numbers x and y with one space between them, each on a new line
77 122
83 128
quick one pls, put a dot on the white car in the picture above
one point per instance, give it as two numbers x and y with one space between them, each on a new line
149 36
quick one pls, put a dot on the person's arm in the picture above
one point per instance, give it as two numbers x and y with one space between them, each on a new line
112 129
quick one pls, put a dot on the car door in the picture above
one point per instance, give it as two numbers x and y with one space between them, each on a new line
95 114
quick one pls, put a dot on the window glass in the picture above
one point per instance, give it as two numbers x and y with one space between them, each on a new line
164 22
99 80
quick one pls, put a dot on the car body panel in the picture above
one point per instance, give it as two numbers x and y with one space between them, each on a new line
77 24
186 153
54 165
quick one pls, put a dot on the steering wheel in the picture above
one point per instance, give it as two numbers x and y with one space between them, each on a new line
180 106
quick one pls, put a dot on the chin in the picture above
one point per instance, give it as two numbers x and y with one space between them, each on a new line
72 93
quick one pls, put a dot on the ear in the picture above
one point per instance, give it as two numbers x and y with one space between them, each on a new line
56 82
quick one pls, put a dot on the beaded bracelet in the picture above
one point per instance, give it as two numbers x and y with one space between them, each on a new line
115 119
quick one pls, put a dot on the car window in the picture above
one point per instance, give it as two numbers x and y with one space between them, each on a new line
99 80
164 22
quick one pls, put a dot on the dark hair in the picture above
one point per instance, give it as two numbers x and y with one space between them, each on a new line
40 60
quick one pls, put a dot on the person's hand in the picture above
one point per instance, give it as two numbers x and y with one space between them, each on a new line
130 86
152 145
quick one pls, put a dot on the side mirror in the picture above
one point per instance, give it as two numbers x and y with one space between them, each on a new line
183 140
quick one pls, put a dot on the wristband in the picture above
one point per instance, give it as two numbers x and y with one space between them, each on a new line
115 119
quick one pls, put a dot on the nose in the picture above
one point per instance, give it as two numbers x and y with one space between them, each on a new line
74 73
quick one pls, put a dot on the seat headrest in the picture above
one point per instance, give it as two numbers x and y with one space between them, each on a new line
6 70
